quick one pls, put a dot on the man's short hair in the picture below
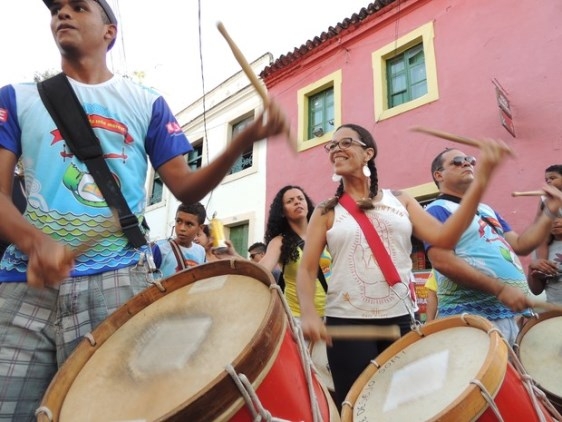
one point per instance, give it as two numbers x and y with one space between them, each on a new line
195 209
437 164
555 168
258 247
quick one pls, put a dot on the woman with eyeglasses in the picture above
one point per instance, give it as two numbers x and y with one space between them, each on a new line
358 292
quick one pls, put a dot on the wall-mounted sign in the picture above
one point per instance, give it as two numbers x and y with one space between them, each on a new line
506 117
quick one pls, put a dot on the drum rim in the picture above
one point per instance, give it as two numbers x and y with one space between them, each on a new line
491 374
265 342
527 326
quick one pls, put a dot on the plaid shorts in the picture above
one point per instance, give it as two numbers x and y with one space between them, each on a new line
39 328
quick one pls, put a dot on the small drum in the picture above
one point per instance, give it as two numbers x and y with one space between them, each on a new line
454 369
539 348
211 343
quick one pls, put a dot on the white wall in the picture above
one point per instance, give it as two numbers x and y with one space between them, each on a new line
241 196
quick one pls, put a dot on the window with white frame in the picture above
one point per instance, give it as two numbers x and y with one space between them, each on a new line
156 188
195 157
245 161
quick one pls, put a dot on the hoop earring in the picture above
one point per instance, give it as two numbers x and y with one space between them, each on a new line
336 178
366 171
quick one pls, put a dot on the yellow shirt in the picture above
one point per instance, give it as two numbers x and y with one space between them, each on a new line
290 276
431 282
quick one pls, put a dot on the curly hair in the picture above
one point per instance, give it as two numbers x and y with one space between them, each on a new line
366 137
277 224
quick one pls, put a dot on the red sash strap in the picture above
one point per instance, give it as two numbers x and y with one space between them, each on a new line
373 239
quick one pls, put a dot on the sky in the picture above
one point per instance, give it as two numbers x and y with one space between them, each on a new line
173 43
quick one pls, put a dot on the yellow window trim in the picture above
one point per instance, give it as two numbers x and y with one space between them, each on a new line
333 80
423 192
422 34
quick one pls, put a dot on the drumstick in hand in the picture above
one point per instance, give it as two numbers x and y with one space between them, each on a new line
449 136
251 76
364 332
528 193
547 306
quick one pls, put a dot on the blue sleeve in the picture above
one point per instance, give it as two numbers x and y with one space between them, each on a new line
505 225
441 214
10 132
157 255
165 138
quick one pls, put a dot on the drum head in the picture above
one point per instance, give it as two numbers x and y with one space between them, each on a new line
428 375
173 352
540 352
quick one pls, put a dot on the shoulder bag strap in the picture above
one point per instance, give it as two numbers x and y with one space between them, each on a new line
71 120
373 239
320 274
177 252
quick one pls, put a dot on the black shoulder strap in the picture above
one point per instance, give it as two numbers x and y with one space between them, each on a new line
320 274
67 112
457 200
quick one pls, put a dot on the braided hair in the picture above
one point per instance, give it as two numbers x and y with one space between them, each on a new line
367 203
277 224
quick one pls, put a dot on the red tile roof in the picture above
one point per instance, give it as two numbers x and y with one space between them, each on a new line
299 52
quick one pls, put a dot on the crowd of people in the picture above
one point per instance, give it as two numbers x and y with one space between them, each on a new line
345 261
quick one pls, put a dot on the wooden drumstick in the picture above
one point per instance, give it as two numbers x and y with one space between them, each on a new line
244 64
449 136
529 193
252 77
363 332
547 306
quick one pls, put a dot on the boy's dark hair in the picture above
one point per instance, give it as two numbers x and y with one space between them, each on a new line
555 168
257 247
195 209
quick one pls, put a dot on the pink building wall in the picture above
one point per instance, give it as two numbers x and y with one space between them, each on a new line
516 43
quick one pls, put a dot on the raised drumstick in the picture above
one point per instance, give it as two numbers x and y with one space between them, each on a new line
252 77
528 193
363 332
244 64
448 136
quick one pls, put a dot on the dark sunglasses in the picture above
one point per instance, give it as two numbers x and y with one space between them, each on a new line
252 255
460 160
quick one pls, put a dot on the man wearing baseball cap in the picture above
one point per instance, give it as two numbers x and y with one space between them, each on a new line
68 267
107 15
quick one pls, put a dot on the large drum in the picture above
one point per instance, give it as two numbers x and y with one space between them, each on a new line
210 343
453 369
539 348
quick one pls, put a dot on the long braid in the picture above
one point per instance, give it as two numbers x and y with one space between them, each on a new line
367 204
331 203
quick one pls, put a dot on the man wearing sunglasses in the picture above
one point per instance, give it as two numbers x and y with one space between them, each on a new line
483 274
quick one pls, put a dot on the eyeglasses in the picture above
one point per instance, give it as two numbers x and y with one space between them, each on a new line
460 160
343 143
252 255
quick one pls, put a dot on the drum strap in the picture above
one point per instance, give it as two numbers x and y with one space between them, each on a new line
63 105
177 252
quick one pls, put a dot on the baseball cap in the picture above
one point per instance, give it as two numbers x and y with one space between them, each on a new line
106 8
